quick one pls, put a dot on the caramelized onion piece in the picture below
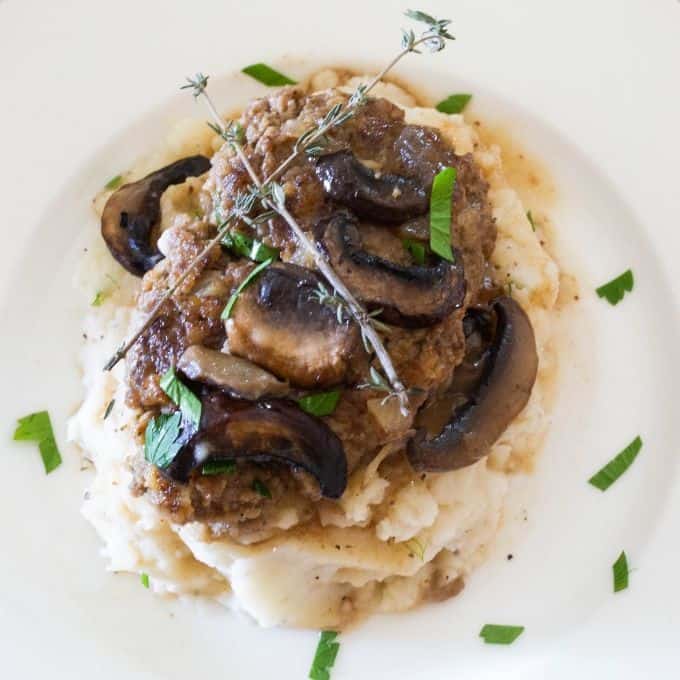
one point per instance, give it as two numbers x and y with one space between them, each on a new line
269 431
501 392
386 198
131 215
236 376
279 324
411 296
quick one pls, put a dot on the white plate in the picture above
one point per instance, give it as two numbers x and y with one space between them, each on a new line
592 88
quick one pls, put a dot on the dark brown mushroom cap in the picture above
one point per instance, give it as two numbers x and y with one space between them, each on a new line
234 375
411 296
132 213
385 198
268 431
279 324
507 377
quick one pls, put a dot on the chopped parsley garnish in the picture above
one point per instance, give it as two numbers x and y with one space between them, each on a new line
324 658
454 103
322 404
617 288
261 488
494 634
226 312
163 439
606 476
267 75
144 578
218 467
248 247
416 249
114 182
109 408
621 571
37 427
98 298
415 547
530 217
440 213
189 404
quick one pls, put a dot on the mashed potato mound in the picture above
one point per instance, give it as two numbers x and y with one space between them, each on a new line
379 548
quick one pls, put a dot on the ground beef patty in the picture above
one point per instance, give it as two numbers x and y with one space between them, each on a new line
425 358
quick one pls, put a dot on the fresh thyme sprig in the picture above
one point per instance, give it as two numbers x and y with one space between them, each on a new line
379 383
272 197
324 297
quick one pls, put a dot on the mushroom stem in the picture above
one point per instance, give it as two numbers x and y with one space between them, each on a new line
125 347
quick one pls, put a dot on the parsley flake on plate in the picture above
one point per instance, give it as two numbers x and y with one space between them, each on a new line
261 488
494 634
321 404
226 312
324 658
621 571
163 439
218 467
267 75
440 213
189 404
614 290
454 103
249 247
608 474
114 183
416 249
37 427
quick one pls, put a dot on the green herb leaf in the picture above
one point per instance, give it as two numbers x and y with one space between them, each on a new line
414 546
226 312
162 439
34 427
324 658
261 488
416 249
454 103
606 476
109 408
144 578
98 298
218 467
494 634
531 220
248 247
321 404
440 213
267 75
37 427
114 182
188 402
621 571
615 289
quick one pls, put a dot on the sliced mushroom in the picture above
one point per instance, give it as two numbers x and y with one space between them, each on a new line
502 391
279 324
236 376
131 215
386 198
265 432
411 296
